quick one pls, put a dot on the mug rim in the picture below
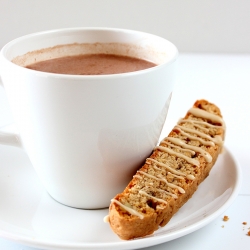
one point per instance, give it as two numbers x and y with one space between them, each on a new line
9 45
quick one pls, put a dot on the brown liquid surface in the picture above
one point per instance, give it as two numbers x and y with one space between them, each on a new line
92 64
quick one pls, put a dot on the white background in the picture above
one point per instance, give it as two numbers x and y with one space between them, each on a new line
193 25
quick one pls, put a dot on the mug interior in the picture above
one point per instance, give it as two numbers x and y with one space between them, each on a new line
68 42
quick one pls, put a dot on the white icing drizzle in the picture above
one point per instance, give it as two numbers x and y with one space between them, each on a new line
206 115
194 124
152 197
206 143
181 143
181 190
172 152
106 219
128 209
174 146
176 176
159 190
199 122
157 168
216 140
138 176
148 175
163 191
190 177
160 178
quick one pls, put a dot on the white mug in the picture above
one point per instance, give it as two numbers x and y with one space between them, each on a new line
87 135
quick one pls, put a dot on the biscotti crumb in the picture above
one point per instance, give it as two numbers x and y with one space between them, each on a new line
225 218
244 223
248 233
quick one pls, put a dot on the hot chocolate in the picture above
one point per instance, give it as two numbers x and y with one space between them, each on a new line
92 64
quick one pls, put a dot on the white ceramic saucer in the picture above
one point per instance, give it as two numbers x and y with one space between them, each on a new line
28 215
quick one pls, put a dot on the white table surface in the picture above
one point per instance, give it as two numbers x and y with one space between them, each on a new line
222 79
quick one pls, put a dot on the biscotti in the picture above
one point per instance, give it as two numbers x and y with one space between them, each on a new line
170 175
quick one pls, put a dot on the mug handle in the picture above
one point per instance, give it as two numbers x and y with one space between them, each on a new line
9 137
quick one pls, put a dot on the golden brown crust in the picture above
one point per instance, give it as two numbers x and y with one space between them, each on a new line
158 207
